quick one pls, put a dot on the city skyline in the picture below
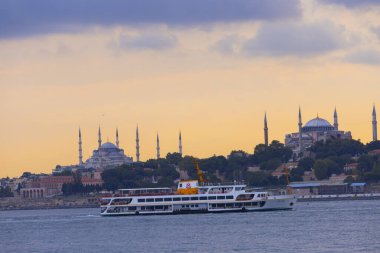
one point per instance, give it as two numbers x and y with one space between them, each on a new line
85 150
212 75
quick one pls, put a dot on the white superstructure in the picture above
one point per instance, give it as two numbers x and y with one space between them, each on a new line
192 198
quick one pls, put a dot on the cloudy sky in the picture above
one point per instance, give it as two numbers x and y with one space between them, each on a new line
208 67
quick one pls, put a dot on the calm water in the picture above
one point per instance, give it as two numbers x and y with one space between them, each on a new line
352 226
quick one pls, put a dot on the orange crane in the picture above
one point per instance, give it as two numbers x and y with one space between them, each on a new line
199 172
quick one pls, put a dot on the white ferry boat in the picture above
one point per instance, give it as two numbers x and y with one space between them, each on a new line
191 197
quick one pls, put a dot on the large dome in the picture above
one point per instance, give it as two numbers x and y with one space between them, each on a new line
317 124
108 145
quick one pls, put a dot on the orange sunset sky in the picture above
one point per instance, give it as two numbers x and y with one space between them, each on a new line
208 68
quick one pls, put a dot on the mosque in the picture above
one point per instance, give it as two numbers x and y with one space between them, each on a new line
109 155
317 129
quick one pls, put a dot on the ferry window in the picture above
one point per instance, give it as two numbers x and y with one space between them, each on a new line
238 188
149 200
132 208
229 197
159 207
192 206
194 198
196 205
254 203
176 199
167 199
229 205
185 198
187 206
221 197
159 200
220 205
202 198
212 197
142 208
141 200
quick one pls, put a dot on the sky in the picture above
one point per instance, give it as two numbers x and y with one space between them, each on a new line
208 68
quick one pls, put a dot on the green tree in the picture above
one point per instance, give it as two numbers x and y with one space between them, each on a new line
337 147
306 163
5 192
373 145
173 158
321 169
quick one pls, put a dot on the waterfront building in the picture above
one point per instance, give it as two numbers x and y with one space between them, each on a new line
317 129
33 193
108 155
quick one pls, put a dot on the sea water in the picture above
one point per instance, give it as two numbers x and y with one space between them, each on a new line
342 226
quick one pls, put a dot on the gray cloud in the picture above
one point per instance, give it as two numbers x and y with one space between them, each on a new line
369 57
353 3
227 45
20 18
143 42
376 30
294 40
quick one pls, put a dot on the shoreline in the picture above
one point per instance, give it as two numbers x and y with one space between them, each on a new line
339 197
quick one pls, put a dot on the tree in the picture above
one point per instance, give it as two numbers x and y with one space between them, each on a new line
271 164
276 149
5 192
173 158
373 145
306 163
296 174
337 147
366 163
321 170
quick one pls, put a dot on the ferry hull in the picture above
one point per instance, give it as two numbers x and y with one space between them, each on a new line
270 204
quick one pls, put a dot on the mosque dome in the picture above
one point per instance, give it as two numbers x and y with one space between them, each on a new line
108 145
317 124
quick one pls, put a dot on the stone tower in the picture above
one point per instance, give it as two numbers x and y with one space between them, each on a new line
180 143
158 147
137 145
265 130
374 124
99 138
117 138
335 120
80 149
300 129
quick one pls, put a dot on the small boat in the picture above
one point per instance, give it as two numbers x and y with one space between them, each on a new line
193 197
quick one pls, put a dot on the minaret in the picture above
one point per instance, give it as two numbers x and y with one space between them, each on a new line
374 124
117 138
80 148
99 138
335 120
158 147
180 143
265 130
300 129
137 145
